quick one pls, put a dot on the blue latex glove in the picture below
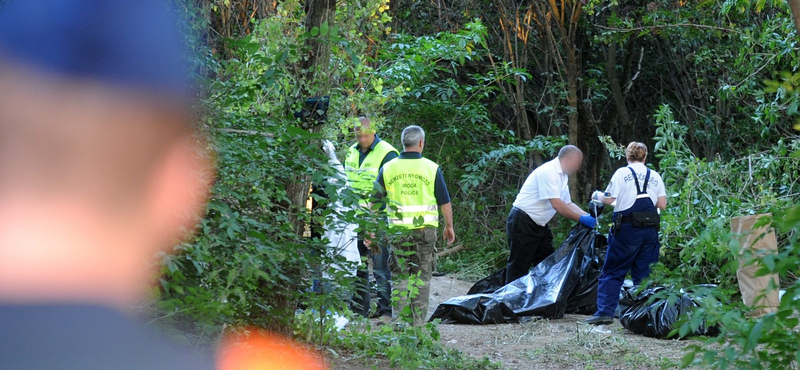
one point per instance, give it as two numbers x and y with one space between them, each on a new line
588 221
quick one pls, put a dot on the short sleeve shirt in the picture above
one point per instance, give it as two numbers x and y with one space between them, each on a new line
623 188
546 182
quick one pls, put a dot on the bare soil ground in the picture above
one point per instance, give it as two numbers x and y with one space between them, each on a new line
563 344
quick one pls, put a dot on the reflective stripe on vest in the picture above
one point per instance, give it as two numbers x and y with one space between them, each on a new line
410 187
362 177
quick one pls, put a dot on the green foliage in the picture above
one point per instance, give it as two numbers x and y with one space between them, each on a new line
248 265
614 150
406 347
787 98
768 342
430 84
703 195
710 60
722 140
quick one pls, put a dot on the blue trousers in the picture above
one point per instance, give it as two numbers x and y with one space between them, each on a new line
631 249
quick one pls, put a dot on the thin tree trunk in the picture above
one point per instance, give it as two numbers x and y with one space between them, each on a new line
616 93
794 5
312 75
315 67
313 72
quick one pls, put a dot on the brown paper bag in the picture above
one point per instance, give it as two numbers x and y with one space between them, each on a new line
755 290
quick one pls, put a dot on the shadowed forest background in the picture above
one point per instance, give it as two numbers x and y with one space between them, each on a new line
710 86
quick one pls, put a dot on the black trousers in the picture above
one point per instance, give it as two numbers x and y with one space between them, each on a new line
528 243
383 277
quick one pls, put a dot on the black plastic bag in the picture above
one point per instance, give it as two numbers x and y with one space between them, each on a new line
490 283
497 280
566 281
657 318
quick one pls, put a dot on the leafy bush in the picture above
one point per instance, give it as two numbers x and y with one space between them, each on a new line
704 194
769 342
408 348
249 264
697 246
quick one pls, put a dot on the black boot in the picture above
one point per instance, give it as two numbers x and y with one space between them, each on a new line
600 320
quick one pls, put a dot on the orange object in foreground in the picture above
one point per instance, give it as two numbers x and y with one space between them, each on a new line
261 350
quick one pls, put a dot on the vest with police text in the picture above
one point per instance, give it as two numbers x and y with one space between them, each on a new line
410 193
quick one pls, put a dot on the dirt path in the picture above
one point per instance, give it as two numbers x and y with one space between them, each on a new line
563 344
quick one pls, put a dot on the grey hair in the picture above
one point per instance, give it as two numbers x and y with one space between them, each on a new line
568 150
412 135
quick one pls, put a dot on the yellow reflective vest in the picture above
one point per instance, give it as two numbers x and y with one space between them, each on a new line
410 186
362 177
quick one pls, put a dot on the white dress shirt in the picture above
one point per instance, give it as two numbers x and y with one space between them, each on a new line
546 182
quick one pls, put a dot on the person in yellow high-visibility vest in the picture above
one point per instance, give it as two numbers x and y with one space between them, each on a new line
413 189
364 159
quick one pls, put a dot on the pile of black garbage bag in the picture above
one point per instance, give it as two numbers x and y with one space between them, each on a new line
655 315
565 282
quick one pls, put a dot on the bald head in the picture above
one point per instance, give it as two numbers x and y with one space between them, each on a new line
571 158
569 150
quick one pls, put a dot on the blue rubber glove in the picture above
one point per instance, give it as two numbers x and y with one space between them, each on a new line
588 221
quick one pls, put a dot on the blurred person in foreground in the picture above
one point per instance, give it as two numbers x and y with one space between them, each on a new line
99 170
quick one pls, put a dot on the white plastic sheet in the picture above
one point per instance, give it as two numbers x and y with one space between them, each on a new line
341 235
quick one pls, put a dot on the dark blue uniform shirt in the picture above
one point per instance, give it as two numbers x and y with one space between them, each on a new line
83 337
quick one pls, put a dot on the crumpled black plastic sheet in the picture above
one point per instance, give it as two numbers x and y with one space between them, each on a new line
490 283
565 282
658 317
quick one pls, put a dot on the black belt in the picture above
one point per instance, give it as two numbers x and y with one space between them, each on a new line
515 209
639 220
629 218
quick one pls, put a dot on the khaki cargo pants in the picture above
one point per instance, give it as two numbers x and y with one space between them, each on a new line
418 265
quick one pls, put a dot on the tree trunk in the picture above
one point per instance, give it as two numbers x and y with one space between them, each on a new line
794 5
234 19
516 32
616 93
573 75
313 83
312 79
566 16
314 68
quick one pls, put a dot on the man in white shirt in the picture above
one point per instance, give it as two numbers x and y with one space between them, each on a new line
544 193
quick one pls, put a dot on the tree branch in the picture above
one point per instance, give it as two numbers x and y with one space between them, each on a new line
246 132
691 25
